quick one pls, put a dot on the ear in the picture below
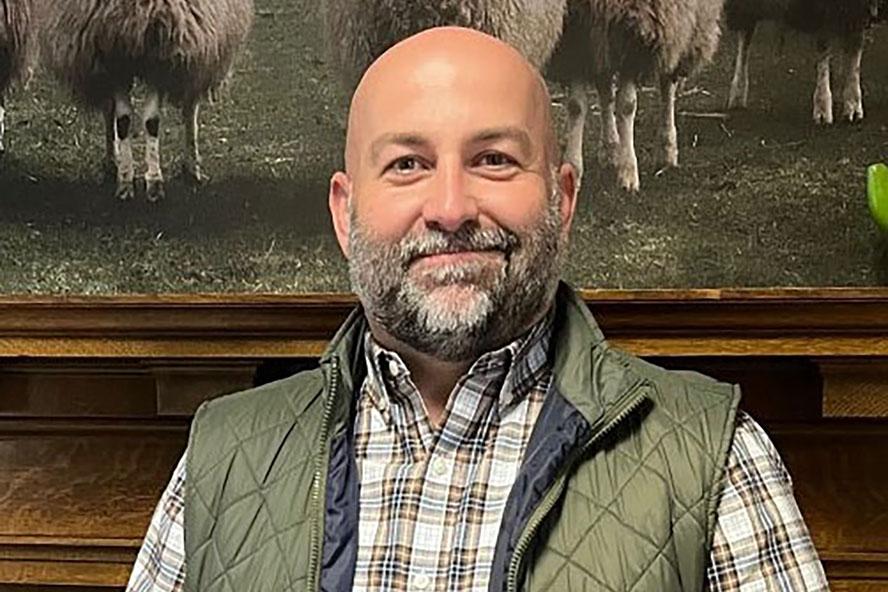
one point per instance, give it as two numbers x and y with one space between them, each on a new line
567 189
338 200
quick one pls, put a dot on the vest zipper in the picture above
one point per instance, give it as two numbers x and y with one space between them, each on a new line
628 404
316 486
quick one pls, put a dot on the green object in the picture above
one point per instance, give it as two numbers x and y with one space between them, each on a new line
877 191
636 495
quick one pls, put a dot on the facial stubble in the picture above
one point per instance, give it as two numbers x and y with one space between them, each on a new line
456 312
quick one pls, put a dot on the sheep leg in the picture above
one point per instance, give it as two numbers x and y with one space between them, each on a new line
852 97
822 93
610 137
627 162
668 131
153 173
110 165
738 97
123 148
577 105
2 123
192 155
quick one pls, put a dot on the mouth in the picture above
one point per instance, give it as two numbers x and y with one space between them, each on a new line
457 258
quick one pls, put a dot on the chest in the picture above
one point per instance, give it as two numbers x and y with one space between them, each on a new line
431 498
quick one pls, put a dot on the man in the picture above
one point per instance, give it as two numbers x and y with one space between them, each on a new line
469 428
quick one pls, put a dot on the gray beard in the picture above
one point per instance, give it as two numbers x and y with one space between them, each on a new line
499 302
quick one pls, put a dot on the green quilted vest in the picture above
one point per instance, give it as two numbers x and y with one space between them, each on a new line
632 508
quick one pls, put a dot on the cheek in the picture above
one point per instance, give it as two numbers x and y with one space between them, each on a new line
516 207
388 218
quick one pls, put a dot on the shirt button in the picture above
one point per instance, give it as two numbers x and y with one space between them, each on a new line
421 581
393 368
439 467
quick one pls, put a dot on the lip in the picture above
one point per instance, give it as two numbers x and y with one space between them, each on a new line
456 258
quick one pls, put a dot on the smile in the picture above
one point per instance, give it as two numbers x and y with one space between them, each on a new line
457 258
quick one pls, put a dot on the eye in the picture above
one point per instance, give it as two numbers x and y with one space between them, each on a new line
496 160
405 165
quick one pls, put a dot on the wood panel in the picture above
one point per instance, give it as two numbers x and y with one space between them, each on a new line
76 496
826 461
825 322
855 388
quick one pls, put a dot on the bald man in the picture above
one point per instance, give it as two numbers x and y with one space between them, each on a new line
469 428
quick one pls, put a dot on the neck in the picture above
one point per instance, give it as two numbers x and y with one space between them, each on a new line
434 378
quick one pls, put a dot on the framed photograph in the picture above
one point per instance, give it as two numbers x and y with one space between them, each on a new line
772 194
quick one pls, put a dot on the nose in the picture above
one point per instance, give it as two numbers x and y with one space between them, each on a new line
450 203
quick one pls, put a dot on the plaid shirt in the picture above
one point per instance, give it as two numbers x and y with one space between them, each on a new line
432 499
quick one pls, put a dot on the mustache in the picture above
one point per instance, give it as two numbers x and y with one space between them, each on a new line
467 238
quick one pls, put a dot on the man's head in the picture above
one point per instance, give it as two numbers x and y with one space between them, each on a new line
454 209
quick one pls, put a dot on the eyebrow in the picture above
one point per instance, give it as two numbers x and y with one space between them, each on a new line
513 133
416 140
409 139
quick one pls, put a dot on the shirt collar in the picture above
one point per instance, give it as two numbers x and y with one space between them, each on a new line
518 365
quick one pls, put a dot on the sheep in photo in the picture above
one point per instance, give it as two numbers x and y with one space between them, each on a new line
359 32
838 27
615 45
182 50
16 43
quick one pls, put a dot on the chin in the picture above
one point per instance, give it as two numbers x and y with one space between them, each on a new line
455 307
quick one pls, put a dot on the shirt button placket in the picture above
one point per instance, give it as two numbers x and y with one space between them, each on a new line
421 582
439 466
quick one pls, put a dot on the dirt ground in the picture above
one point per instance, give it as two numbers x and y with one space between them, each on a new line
764 198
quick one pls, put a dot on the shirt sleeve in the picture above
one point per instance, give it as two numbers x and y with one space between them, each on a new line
761 541
160 564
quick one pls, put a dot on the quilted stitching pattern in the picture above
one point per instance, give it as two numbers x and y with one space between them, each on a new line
253 543
639 509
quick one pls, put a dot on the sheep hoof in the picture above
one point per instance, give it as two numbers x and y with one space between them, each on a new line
853 114
669 158
627 178
737 103
823 117
194 175
154 190
630 185
125 191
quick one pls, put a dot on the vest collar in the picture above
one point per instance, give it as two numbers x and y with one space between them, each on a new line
590 375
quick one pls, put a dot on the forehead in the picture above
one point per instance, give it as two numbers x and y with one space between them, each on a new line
446 99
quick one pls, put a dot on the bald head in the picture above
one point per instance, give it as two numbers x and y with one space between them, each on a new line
431 67
451 210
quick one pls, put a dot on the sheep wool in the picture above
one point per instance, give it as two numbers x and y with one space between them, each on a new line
16 50
182 50
616 44
839 30
360 31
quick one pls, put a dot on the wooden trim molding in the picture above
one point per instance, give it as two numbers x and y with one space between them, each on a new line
820 322
52 561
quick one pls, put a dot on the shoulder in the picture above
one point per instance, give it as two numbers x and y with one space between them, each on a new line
289 396
267 411
682 391
753 456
